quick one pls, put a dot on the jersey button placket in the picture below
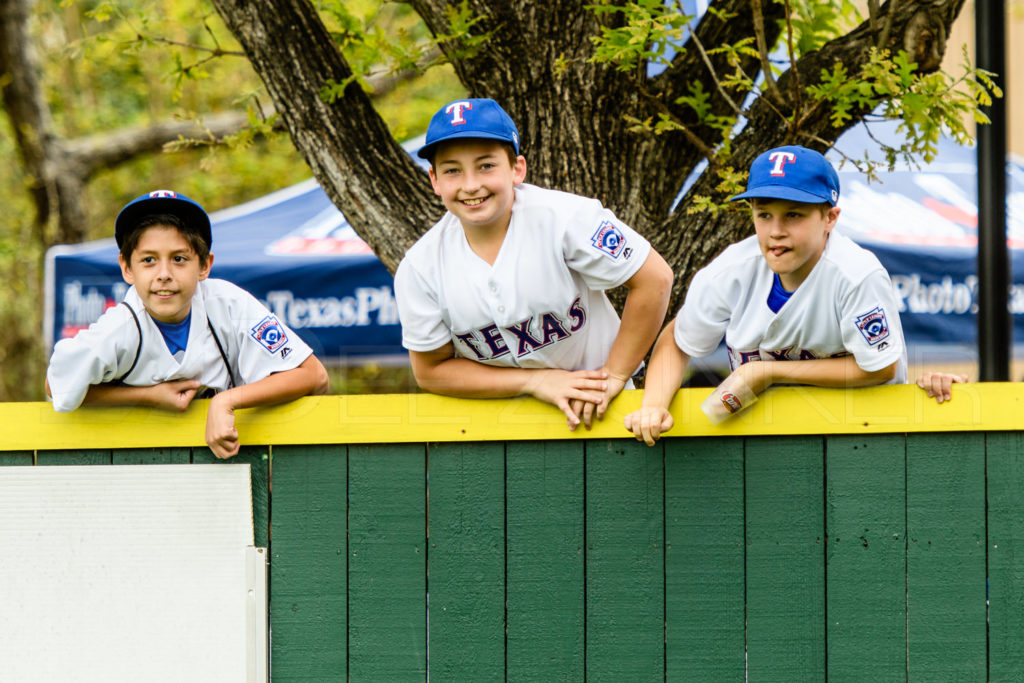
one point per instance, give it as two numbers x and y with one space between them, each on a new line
494 291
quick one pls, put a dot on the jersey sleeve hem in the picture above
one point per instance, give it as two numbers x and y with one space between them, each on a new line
424 347
877 363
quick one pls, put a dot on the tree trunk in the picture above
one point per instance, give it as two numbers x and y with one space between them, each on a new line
30 119
572 121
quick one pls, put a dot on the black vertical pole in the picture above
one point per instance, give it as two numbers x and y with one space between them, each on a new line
995 328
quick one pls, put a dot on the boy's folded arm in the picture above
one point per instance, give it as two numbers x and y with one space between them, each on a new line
441 372
821 372
173 395
307 379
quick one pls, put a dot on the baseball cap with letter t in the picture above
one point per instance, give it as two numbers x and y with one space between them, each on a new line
166 202
469 118
794 173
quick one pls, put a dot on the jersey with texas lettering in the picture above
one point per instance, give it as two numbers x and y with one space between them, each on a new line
254 342
845 306
542 303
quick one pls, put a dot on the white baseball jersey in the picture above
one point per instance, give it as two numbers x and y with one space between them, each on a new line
542 303
255 342
845 306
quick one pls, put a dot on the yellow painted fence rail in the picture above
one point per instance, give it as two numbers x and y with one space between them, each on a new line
823 534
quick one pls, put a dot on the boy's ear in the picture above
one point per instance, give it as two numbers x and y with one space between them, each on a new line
832 216
519 170
126 270
433 179
204 272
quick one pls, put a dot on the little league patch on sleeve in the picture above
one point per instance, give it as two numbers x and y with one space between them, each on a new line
873 325
609 239
269 333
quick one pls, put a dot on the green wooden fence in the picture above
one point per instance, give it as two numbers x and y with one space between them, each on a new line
844 557
795 558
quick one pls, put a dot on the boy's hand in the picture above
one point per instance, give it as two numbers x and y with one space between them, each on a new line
649 423
939 385
174 395
221 435
614 386
570 391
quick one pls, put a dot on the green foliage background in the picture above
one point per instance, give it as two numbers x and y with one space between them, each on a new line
109 65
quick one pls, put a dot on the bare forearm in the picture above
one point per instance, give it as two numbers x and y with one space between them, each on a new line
823 372
666 371
464 378
118 395
641 319
642 316
280 387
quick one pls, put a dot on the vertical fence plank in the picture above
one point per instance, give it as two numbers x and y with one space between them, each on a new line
74 457
152 456
785 559
20 458
308 579
258 460
544 489
946 557
387 578
625 561
1005 459
466 561
865 522
704 560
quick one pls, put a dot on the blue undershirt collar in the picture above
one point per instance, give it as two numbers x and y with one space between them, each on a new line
778 296
175 334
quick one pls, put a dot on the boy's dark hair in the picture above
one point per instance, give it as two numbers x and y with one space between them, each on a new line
509 148
191 234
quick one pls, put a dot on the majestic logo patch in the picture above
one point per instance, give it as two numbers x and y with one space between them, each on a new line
269 333
609 239
873 325
731 403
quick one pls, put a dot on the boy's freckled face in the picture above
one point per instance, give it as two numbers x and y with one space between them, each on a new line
165 271
474 180
792 236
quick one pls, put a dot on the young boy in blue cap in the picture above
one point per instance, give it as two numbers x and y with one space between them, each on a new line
179 334
807 302
505 294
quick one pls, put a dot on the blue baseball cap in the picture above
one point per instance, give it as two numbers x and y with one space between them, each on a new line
794 173
162 201
469 118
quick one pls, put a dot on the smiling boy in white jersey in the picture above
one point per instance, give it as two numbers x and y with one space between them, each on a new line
810 304
179 333
505 294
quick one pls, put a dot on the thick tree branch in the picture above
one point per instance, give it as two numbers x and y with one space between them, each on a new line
918 27
690 66
345 143
53 191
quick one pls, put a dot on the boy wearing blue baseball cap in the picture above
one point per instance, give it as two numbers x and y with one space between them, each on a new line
178 334
505 294
807 302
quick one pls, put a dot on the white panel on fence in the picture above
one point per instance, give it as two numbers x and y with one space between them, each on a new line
125 573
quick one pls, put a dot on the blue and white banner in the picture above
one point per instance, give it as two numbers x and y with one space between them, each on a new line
292 249
922 223
296 252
